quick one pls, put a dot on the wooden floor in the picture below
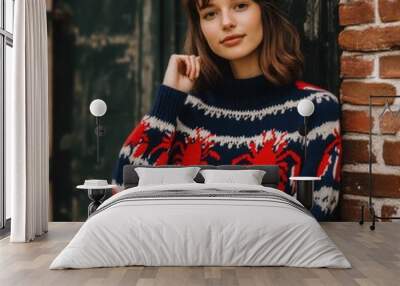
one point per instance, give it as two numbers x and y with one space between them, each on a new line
374 255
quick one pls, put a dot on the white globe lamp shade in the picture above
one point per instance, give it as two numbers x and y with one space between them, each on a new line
98 107
305 107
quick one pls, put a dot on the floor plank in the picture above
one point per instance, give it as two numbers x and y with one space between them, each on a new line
374 255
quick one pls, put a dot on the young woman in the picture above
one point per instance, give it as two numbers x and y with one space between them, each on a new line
232 99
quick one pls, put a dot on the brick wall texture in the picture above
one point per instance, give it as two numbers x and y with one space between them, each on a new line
370 65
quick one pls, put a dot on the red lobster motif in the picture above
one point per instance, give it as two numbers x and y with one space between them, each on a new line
272 152
138 139
196 150
165 145
327 158
304 85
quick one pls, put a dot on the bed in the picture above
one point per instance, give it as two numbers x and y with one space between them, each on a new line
198 224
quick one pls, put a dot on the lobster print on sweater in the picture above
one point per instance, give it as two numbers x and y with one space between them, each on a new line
244 122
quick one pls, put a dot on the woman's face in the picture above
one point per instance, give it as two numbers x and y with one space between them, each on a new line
223 18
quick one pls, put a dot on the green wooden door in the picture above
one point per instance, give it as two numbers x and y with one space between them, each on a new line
117 51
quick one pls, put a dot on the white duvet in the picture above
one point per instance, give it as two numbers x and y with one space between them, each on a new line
227 231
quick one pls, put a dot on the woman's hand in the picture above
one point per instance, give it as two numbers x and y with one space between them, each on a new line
182 72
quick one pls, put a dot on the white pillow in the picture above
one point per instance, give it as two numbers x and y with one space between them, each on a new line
249 177
162 176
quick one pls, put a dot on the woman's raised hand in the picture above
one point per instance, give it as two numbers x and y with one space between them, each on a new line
182 72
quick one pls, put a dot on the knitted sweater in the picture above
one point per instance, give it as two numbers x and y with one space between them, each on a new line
244 122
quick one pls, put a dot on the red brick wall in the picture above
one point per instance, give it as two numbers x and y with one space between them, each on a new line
370 65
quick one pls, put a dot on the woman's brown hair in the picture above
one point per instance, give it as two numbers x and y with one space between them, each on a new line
281 59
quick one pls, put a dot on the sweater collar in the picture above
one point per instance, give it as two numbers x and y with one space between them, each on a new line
252 86
254 82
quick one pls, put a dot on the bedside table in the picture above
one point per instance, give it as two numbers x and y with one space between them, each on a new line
305 190
96 193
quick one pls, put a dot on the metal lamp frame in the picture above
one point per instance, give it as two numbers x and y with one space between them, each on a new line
370 203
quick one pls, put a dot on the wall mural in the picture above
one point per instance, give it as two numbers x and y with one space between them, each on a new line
117 51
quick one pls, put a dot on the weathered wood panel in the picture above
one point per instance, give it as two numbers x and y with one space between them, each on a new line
106 50
317 23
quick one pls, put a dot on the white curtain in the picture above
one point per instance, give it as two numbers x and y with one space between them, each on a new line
27 136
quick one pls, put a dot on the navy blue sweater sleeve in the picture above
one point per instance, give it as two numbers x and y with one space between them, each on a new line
168 104
151 139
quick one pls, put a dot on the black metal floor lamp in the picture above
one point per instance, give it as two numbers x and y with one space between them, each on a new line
305 184
370 203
